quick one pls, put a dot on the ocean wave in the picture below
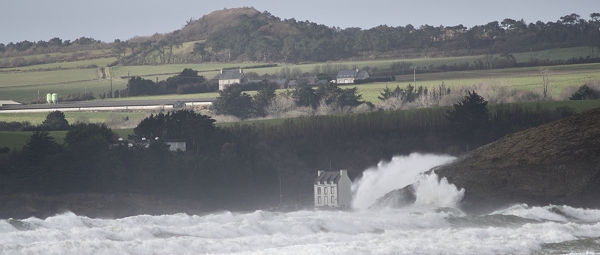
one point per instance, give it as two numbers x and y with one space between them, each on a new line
385 231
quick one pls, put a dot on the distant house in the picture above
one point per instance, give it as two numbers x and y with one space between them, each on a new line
349 76
174 144
228 77
333 189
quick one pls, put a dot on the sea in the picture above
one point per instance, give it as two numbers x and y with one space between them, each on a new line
434 224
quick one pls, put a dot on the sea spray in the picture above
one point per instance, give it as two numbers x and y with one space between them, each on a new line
395 174
432 191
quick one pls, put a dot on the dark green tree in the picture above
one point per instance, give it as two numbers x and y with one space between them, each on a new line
263 98
470 117
305 95
585 93
137 86
410 94
200 50
55 121
187 76
39 146
232 101
89 135
331 93
195 128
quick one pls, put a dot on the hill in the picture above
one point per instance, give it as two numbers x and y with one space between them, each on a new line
245 34
556 163
217 21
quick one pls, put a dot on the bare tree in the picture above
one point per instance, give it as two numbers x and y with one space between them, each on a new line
280 105
545 80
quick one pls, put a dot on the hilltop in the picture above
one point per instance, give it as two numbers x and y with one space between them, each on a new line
247 35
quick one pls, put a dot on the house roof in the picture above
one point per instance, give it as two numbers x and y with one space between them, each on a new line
356 74
5 102
328 177
231 74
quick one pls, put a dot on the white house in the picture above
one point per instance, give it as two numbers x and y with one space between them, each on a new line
333 189
176 144
228 77
349 76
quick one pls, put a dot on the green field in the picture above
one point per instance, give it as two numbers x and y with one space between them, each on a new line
36 118
24 85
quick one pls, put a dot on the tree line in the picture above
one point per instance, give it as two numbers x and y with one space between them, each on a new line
239 167
234 101
310 42
186 82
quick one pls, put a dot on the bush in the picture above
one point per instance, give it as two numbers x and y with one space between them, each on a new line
585 93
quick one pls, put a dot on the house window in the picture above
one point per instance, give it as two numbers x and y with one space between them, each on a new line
332 191
319 200
319 191
332 200
325 200
325 190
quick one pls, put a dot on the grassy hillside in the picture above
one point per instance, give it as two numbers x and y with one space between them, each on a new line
24 84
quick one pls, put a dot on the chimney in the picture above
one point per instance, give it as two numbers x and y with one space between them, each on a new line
343 172
320 172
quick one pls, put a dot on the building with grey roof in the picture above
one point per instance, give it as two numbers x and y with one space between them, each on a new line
333 189
232 76
349 76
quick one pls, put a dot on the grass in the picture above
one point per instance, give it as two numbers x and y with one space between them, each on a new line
36 118
24 86
517 78
30 93
20 79
16 140
96 57
529 78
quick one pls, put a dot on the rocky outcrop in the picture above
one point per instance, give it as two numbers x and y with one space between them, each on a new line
24 205
556 163
396 198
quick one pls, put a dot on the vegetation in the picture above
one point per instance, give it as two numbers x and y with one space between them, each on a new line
250 158
248 35
586 93
420 101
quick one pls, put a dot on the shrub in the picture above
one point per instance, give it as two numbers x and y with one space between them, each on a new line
585 93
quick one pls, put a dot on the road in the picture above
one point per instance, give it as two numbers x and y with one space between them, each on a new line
104 105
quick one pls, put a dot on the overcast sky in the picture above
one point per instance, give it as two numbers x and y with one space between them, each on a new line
107 20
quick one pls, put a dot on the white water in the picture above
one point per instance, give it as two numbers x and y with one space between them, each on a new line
398 173
423 228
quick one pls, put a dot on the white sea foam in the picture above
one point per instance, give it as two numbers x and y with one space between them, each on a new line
387 176
418 229
388 231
